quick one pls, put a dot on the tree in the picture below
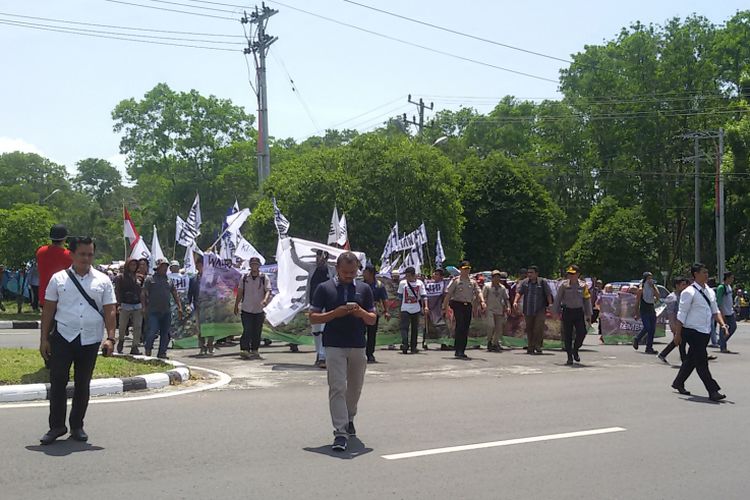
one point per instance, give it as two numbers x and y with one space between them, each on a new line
23 229
511 221
97 178
614 243
30 178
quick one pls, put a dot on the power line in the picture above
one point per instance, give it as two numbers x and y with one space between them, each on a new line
112 26
80 33
171 10
459 33
295 89
138 35
387 37
398 99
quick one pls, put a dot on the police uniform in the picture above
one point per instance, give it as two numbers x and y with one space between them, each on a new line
573 303
461 293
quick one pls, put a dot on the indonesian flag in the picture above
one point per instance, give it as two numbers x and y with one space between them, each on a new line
129 232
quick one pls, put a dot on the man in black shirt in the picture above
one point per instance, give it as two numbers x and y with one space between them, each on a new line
349 308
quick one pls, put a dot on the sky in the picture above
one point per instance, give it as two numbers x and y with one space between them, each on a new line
58 90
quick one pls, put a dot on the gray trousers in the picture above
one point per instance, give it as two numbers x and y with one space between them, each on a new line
346 374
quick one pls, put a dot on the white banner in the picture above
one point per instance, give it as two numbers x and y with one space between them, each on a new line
156 252
140 250
245 250
439 253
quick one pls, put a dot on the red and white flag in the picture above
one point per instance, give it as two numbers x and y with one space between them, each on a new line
129 232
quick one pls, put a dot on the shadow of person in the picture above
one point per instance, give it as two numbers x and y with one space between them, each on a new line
293 367
706 400
64 448
355 448
41 376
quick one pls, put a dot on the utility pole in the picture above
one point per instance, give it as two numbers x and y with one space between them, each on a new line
258 46
697 159
421 106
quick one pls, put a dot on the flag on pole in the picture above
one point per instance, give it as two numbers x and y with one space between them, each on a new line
189 261
156 252
129 232
334 230
245 250
343 240
282 223
140 250
391 244
439 253
185 234
194 218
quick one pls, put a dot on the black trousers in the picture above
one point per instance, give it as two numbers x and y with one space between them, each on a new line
573 319
409 320
83 359
252 328
35 297
670 347
462 315
697 359
372 331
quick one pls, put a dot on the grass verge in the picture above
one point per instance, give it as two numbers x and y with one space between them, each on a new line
25 366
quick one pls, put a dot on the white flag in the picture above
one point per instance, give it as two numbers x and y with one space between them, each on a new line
156 252
439 253
334 230
245 250
140 250
195 219
422 235
282 223
235 221
391 245
189 261
184 233
343 240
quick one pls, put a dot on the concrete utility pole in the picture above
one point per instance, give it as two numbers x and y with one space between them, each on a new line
719 193
258 46
421 106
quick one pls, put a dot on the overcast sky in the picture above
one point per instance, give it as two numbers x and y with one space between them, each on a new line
58 89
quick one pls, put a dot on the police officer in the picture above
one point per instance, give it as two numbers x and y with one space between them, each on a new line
573 303
459 296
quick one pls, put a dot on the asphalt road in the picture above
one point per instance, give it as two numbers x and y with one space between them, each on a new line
268 433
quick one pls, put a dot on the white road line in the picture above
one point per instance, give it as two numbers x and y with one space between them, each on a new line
224 379
508 442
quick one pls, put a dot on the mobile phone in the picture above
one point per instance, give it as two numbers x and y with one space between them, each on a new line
351 304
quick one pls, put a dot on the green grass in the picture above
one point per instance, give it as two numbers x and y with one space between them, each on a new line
25 366
11 312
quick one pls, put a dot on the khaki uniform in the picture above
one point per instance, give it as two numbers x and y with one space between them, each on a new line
498 303
573 302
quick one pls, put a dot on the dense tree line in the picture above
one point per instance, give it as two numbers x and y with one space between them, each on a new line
596 177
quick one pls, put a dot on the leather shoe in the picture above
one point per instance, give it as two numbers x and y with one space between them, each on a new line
681 390
52 435
576 357
79 435
716 396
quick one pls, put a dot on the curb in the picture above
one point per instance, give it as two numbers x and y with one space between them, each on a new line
99 387
20 325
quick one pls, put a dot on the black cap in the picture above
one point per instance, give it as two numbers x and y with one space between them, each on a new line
58 232
464 264
370 267
410 270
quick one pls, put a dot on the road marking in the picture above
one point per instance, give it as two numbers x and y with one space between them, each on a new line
224 379
508 442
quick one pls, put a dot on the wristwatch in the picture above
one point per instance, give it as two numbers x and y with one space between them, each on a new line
111 340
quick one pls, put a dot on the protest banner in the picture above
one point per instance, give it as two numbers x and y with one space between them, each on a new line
617 317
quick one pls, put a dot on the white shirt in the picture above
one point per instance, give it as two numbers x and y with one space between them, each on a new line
74 315
180 281
412 300
694 311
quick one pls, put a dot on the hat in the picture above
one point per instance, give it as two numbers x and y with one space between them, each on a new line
58 232
160 261
440 270
496 272
573 269
464 264
174 263
647 275
254 259
503 275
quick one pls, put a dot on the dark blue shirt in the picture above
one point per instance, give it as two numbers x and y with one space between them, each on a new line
347 331
378 291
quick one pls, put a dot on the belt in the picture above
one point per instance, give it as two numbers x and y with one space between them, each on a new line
462 303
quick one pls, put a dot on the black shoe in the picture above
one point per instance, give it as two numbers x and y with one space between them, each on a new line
570 360
711 357
162 356
371 359
663 359
462 356
351 430
529 351
716 396
404 350
576 357
120 345
414 350
135 352
537 351
681 390
293 348
79 435
651 351
635 343
52 435
339 443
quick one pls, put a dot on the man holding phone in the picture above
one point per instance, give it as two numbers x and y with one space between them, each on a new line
349 307
79 304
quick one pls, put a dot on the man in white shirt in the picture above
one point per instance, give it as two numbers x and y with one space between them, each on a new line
413 297
696 310
72 328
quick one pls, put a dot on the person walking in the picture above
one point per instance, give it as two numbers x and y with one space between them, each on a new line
128 293
645 301
725 299
349 308
155 304
34 285
696 310
379 296
52 258
495 295
253 295
459 296
537 296
673 301
413 295
205 344
79 305
573 305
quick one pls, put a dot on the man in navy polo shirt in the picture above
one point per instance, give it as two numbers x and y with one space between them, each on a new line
349 309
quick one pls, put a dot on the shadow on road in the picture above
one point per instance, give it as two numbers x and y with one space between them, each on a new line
706 400
63 448
355 448
294 367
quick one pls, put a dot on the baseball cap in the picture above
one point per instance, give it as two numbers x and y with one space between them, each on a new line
174 263
254 260
573 269
160 261
647 275
58 232
464 264
496 272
